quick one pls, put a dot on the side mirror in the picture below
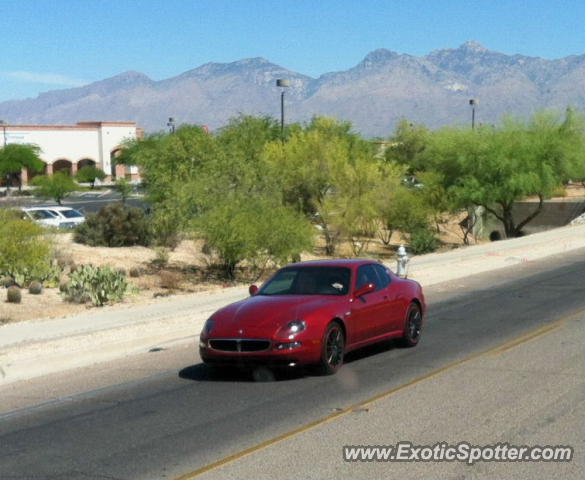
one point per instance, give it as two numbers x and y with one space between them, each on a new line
368 288
253 290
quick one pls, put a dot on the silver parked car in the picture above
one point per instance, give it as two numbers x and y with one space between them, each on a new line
54 216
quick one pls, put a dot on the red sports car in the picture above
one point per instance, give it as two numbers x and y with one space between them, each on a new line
314 313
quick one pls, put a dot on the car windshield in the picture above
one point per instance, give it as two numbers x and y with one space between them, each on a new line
308 281
71 213
41 214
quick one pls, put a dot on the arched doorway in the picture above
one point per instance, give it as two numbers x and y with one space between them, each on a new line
62 165
85 162
117 170
30 174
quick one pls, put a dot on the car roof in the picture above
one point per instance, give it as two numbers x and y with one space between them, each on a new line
341 262
45 207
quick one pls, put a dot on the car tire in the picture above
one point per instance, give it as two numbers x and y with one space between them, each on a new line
412 326
332 349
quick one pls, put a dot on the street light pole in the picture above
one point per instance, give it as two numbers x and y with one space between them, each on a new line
473 103
283 84
171 125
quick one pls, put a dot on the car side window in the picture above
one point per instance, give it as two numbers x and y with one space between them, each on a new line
366 274
384 276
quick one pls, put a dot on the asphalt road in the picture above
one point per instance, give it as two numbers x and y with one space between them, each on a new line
179 419
87 202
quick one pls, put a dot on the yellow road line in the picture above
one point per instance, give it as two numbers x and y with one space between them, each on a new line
527 337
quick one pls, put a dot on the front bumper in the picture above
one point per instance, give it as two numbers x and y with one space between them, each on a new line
306 353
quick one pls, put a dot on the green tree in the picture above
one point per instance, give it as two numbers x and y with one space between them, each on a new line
256 229
172 167
14 157
407 146
89 174
125 188
56 186
495 167
314 166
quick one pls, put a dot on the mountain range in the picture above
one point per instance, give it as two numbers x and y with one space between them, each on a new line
385 86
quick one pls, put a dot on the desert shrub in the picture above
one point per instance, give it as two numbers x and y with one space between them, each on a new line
25 251
114 225
423 240
13 294
135 272
170 280
162 257
257 230
98 285
64 259
35 288
64 284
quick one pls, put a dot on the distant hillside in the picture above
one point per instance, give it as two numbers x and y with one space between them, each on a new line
385 86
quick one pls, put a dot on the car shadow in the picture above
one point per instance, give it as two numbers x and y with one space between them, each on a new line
204 373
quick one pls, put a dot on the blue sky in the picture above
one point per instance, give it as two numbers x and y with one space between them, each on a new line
51 44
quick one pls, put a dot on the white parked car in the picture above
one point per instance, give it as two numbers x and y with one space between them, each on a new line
55 216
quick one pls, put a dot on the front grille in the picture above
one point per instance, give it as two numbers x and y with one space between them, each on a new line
239 345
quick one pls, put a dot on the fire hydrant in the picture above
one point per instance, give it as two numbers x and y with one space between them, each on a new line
402 262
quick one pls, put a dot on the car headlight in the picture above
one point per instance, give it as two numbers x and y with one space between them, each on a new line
208 327
292 328
296 326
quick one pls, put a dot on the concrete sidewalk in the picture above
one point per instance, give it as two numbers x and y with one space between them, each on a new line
35 348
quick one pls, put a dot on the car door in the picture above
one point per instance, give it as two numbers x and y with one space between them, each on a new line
392 319
368 311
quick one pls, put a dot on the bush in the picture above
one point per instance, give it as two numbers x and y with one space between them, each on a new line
98 285
63 284
162 257
423 240
13 295
25 251
35 288
170 280
114 226
89 174
135 272
257 230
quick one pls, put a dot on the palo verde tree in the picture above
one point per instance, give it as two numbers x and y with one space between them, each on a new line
494 167
169 164
406 146
220 188
56 186
312 164
14 157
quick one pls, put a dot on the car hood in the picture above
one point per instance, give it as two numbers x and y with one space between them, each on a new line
262 314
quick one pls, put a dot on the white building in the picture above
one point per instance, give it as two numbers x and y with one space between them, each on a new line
70 147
